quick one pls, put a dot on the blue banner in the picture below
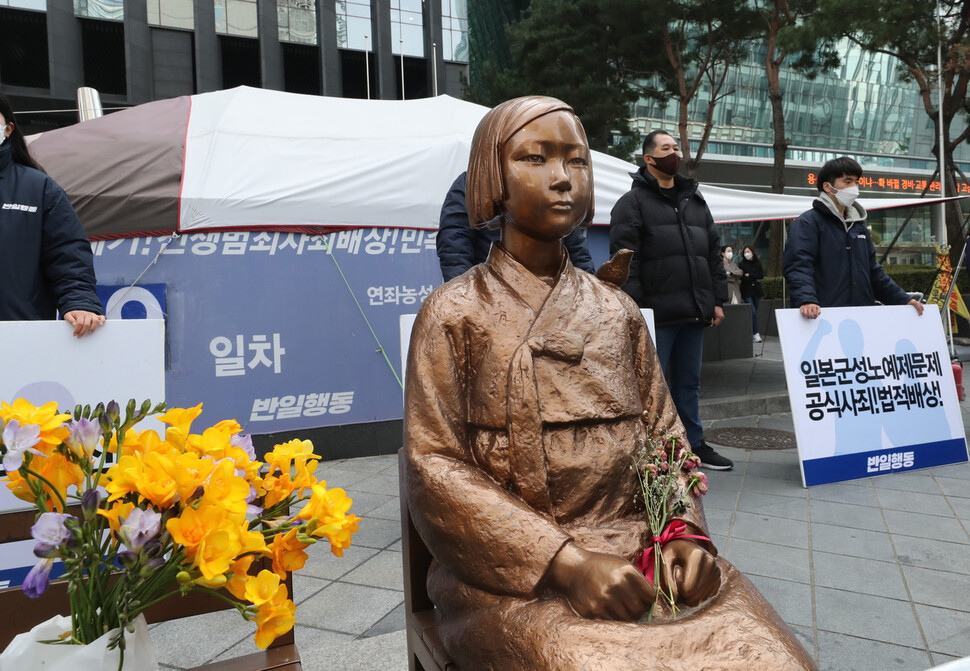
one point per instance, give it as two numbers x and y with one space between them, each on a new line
281 331
881 462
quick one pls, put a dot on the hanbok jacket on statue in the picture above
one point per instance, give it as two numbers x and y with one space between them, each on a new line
523 414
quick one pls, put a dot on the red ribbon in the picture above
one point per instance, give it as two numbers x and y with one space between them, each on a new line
676 529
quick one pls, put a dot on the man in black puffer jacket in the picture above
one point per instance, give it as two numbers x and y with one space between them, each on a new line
676 271
830 260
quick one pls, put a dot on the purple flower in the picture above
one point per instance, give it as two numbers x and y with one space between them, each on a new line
36 581
139 527
19 439
90 502
84 437
51 529
245 441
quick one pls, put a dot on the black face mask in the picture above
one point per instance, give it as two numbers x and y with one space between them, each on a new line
669 164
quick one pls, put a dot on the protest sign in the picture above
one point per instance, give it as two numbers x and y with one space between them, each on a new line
871 391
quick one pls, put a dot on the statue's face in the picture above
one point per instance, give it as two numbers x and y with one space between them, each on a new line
547 177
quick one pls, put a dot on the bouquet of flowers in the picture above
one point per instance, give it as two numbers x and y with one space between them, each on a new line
159 517
668 475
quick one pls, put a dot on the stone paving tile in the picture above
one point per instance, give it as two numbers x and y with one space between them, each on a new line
178 643
773 505
837 652
932 554
961 507
779 422
775 486
308 641
847 515
305 586
720 499
322 563
724 481
919 481
387 652
858 575
351 609
783 471
953 470
776 530
370 465
792 600
365 502
947 631
385 569
789 457
393 621
388 511
771 561
928 504
865 616
926 526
938 588
341 477
939 658
378 484
852 542
954 487
805 636
718 521
853 493
377 533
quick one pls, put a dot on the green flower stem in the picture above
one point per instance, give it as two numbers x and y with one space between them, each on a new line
49 484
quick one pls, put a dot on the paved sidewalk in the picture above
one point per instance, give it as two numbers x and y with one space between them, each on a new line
871 575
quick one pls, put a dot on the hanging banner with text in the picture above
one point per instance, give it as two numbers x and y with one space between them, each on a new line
872 392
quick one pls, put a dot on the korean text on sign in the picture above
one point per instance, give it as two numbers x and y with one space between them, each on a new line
233 356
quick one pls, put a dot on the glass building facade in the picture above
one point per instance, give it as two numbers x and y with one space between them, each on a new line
860 110
454 19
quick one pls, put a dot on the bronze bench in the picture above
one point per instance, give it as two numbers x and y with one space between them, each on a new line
425 652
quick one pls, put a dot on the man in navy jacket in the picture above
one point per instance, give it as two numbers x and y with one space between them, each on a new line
460 246
830 260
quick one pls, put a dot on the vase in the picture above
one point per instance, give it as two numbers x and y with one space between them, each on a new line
27 651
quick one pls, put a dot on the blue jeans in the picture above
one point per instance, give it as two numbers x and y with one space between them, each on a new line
680 349
753 302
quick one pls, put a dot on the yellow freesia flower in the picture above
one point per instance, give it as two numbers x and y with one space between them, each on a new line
252 541
215 583
60 472
191 527
214 441
117 512
226 489
52 429
285 455
274 618
288 554
181 418
262 588
338 533
240 576
325 505
189 472
136 442
217 552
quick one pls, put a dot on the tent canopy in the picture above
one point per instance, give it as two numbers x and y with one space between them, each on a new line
250 158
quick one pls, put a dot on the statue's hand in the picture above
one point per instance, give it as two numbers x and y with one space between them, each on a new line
599 585
690 571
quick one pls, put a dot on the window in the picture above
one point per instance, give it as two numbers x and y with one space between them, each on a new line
297 21
454 30
407 27
23 48
353 25
100 9
171 14
40 5
236 17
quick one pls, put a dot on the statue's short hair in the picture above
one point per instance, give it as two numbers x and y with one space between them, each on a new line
485 186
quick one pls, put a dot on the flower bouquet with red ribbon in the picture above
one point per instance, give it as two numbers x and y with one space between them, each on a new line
668 480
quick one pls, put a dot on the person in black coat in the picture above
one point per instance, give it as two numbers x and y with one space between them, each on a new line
460 246
677 271
829 259
751 293
46 265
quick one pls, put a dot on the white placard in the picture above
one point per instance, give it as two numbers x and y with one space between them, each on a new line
42 362
871 390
